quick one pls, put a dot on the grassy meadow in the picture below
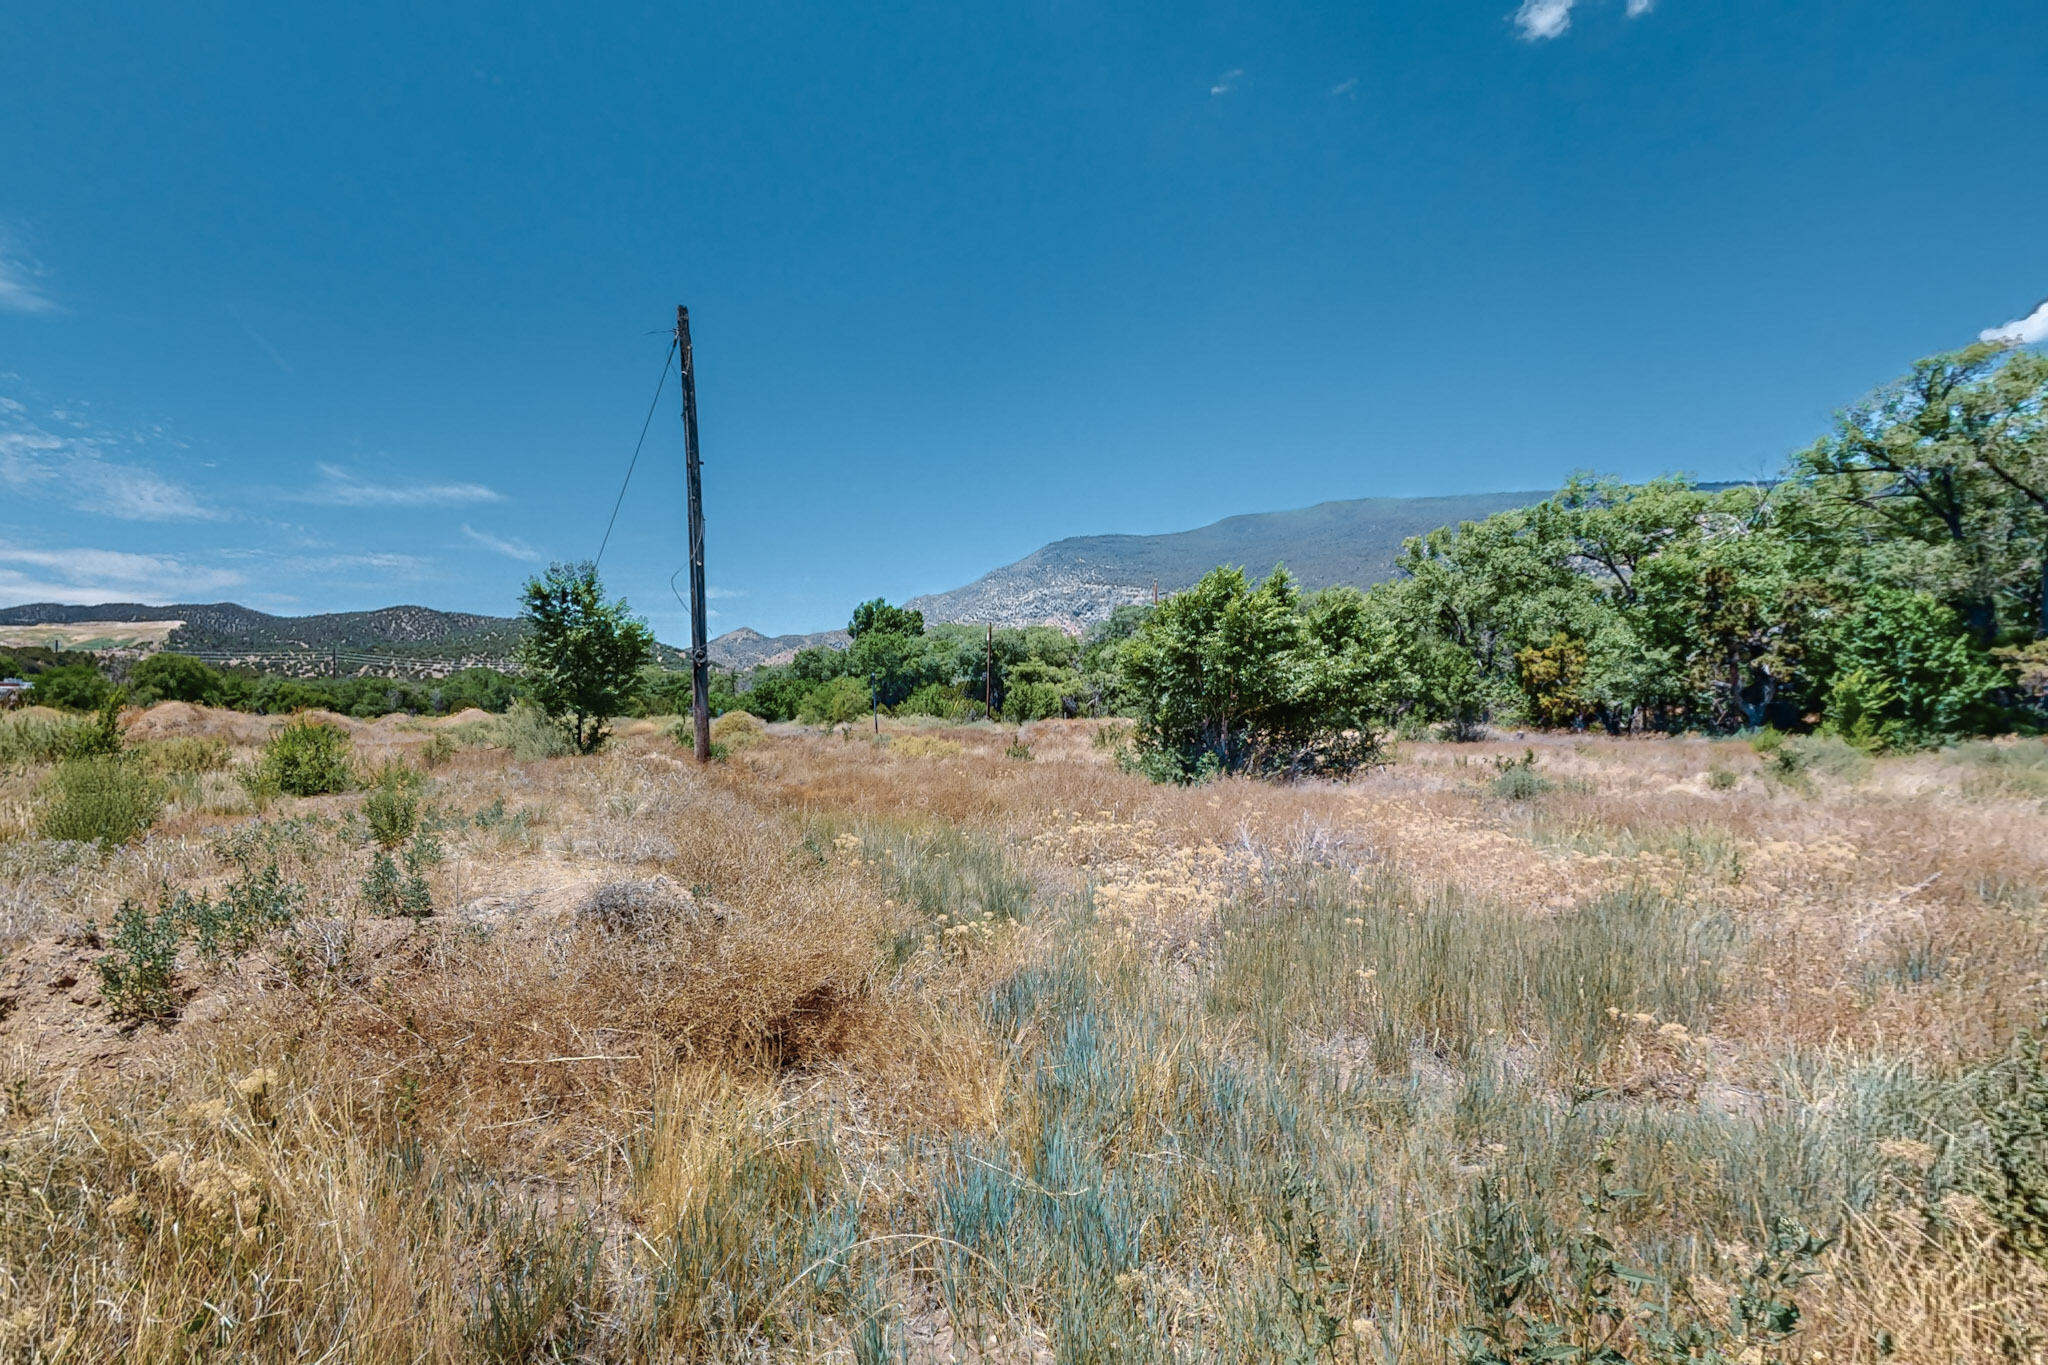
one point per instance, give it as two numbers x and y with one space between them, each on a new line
962 1044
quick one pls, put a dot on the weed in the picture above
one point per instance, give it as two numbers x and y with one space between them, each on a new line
392 812
135 976
253 904
107 800
307 758
1723 779
1018 749
439 747
1516 779
1549 1293
183 755
398 888
101 737
36 737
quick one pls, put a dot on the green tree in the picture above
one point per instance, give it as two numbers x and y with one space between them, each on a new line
1259 679
1941 480
175 677
843 699
74 687
1906 673
582 656
879 616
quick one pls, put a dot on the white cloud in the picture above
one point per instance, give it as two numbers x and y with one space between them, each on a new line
69 458
343 489
512 548
2030 330
1538 20
20 291
1344 87
88 576
717 594
1227 82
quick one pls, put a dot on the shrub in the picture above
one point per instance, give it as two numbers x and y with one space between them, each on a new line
308 758
522 729
177 677
135 977
73 687
1516 779
398 888
253 904
1262 678
439 748
837 702
734 730
1722 779
105 800
36 737
392 812
939 700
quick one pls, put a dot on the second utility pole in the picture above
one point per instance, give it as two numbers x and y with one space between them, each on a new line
700 653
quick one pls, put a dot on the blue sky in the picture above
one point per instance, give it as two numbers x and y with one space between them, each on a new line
331 307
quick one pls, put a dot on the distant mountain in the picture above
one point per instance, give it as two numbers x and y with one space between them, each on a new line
405 639
1076 582
744 648
402 639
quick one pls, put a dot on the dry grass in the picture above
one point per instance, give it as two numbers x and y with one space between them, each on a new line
858 1051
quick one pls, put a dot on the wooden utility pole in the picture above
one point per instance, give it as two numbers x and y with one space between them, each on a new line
988 679
700 652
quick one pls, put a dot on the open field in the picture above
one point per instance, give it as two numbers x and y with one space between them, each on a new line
960 1048
91 635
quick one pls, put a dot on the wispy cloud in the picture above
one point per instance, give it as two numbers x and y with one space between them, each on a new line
1344 87
718 594
89 576
510 547
65 456
343 489
1538 20
262 342
1227 82
2030 330
21 289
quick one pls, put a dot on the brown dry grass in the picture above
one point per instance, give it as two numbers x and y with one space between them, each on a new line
748 1127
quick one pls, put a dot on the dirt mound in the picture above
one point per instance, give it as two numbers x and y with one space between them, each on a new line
467 716
183 719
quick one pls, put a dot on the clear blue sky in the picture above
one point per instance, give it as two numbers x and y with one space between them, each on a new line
331 307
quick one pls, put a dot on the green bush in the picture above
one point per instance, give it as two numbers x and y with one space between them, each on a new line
254 903
308 758
1516 779
837 702
105 800
72 687
135 977
398 888
937 699
392 812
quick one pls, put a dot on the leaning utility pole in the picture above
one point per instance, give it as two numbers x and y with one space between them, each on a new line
700 654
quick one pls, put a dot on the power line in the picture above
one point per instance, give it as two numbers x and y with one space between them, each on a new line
659 385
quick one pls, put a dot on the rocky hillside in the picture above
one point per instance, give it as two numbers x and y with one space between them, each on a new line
1075 582
744 648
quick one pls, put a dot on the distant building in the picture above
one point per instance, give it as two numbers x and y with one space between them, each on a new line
13 691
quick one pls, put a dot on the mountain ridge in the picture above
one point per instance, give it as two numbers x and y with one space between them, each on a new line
1075 582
